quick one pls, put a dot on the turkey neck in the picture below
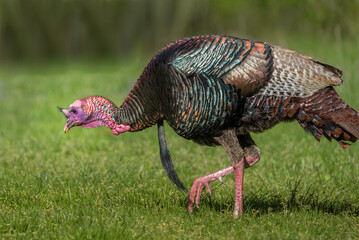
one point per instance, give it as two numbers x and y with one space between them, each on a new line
141 108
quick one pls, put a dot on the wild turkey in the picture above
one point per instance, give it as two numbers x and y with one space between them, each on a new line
216 90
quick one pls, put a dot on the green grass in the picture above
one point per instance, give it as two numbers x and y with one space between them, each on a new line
90 184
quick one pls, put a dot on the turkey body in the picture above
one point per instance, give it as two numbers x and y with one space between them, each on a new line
204 85
216 90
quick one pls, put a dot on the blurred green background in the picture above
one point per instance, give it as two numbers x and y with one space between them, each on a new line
92 29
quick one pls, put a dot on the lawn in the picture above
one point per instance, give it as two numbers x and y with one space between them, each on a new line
89 183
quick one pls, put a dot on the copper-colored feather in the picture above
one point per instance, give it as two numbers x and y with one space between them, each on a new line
322 113
326 113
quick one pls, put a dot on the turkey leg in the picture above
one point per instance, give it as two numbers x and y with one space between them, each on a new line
203 182
232 144
238 198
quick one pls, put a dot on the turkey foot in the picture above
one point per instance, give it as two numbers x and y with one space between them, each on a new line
203 182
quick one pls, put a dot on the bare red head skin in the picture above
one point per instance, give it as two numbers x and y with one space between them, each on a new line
93 112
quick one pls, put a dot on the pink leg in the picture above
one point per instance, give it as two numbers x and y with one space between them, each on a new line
239 176
203 182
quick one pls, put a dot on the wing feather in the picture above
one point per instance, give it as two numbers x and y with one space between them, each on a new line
242 63
253 67
298 75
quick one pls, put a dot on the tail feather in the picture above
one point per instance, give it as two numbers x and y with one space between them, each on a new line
166 158
325 113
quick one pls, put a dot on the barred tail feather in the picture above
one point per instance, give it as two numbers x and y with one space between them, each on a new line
166 158
325 113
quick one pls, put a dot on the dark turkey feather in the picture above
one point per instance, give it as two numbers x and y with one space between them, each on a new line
166 158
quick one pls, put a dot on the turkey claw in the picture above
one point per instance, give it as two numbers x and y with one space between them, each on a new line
221 180
196 192
203 182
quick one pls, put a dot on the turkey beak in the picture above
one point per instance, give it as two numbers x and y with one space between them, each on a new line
69 124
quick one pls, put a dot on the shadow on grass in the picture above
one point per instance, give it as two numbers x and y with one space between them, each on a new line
263 203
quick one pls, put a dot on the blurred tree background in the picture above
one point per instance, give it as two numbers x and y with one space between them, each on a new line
44 30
